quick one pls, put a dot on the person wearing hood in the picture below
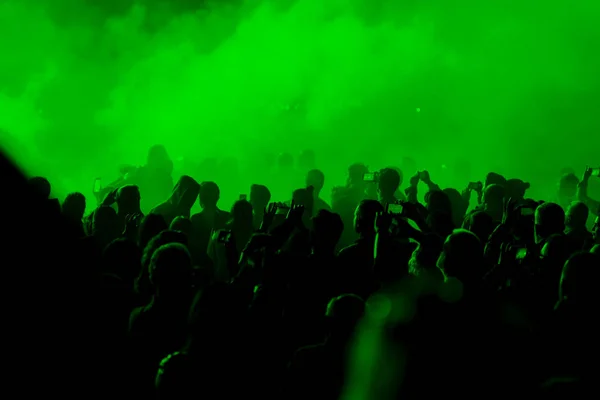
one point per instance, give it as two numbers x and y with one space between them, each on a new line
181 201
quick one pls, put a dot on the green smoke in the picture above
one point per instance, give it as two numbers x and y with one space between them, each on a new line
85 86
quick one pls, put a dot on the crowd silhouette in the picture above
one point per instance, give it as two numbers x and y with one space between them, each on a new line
376 296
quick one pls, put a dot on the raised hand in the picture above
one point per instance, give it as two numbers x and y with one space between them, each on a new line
295 214
268 217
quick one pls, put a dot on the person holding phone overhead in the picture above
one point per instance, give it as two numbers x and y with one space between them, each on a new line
582 190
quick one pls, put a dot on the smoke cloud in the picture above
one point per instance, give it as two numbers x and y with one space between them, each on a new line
87 85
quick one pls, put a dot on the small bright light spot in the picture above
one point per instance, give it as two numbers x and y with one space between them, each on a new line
418 109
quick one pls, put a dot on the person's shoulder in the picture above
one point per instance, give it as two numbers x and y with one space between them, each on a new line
348 250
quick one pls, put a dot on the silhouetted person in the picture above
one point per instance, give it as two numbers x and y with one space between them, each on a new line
481 224
105 226
462 258
549 220
40 186
160 327
151 225
181 201
241 226
142 285
260 196
576 230
357 259
388 184
319 370
493 201
423 262
567 190
316 179
73 209
212 360
182 224
210 219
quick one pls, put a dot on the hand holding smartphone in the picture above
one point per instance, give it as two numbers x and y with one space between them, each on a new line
371 177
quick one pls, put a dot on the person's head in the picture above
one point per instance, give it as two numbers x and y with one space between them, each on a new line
151 225
577 215
170 270
316 179
182 224
555 252
304 197
185 193
462 257
356 173
343 314
482 225
424 257
74 206
327 229
157 156
457 205
128 199
260 196
438 201
516 189
241 213
365 215
579 280
40 186
494 178
567 187
389 182
105 223
209 195
493 200
549 220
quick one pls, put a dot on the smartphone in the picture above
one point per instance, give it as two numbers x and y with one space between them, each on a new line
476 186
243 197
596 172
224 237
97 185
395 209
282 208
370 177
521 253
525 211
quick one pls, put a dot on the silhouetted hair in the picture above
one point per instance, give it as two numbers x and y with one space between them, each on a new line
181 224
316 178
170 267
365 215
462 256
577 214
580 276
74 205
40 186
389 179
151 225
260 193
356 172
494 178
568 180
209 193
549 219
